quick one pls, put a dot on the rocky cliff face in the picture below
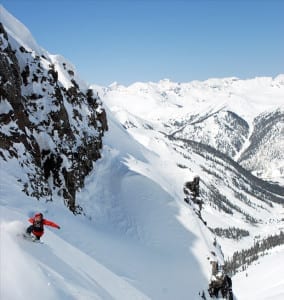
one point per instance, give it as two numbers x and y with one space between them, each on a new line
49 124
265 155
222 130
256 146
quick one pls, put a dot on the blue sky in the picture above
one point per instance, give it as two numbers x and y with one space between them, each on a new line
143 40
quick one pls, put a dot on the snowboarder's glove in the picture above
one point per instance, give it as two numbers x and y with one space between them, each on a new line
58 227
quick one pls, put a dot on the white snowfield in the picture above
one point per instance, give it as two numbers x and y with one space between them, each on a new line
55 270
137 241
137 238
264 280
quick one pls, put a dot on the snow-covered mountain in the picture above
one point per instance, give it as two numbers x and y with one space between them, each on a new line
51 123
118 158
51 136
241 118
214 129
208 128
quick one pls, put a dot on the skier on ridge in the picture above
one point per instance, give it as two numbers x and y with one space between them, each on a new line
38 223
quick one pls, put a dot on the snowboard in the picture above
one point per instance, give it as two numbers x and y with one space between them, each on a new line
31 238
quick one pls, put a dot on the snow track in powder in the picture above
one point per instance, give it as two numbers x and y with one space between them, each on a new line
55 270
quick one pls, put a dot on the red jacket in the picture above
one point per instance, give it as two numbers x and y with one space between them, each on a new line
39 232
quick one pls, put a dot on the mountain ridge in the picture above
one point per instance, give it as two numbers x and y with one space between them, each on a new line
49 123
223 113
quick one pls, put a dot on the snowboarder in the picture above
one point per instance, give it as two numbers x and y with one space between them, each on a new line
38 223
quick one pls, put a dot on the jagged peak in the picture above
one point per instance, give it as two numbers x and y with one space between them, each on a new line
19 31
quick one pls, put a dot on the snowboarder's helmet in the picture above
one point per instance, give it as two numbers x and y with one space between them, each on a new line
39 215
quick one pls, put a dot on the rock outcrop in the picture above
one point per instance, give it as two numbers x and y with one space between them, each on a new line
50 125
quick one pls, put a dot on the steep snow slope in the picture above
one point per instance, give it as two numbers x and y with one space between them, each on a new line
21 34
135 238
233 197
138 240
55 269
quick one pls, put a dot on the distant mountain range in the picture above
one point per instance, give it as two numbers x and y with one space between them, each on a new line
243 119
230 132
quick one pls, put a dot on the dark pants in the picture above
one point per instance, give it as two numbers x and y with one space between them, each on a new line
31 229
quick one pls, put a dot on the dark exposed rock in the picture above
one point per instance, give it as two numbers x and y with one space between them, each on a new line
103 119
23 49
53 73
71 73
59 150
25 75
